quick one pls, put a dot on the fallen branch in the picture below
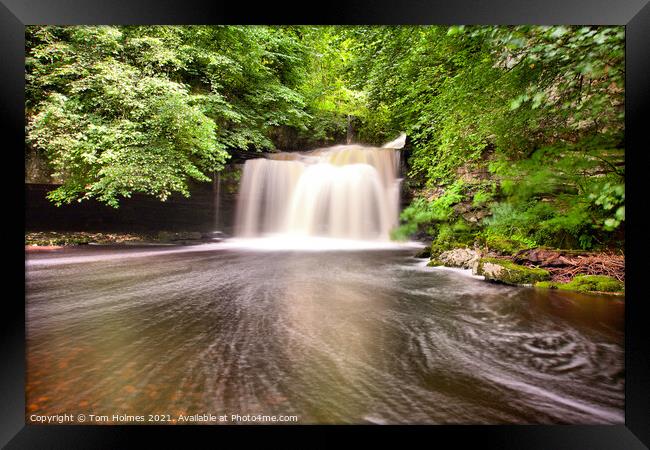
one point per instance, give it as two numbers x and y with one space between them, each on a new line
565 267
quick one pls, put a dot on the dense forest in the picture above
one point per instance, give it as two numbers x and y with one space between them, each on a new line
515 134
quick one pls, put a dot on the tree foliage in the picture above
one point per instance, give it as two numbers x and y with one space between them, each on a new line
540 107
514 132
118 110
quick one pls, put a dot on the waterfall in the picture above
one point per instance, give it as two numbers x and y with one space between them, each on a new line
345 192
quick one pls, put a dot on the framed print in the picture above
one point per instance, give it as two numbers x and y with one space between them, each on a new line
373 218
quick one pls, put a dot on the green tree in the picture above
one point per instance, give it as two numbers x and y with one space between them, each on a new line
522 124
118 110
541 107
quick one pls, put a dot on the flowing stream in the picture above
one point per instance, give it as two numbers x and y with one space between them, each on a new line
346 336
312 312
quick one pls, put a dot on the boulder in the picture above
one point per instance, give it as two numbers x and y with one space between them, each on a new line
507 272
424 253
464 258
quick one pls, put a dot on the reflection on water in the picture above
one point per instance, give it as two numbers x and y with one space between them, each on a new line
332 337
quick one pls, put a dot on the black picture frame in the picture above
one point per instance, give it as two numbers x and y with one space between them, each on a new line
634 14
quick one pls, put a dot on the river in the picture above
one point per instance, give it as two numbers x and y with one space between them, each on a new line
356 336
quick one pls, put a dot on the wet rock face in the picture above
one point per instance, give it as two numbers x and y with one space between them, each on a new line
424 253
490 271
464 258
504 271
188 237
167 236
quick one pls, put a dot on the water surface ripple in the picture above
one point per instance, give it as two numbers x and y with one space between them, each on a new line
332 337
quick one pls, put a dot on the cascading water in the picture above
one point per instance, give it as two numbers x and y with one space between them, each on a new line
344 192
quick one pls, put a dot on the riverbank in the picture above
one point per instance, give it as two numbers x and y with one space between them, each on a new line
41 240
544 268
571 270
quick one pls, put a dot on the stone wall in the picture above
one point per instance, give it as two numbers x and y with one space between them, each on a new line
139 213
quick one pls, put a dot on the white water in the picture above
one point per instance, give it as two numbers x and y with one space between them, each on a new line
346 192
333 337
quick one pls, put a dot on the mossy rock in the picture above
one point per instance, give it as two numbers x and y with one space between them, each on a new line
503 245
424 253
437 248
57 240
504 271
61 238
435 263
586 283
77 241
